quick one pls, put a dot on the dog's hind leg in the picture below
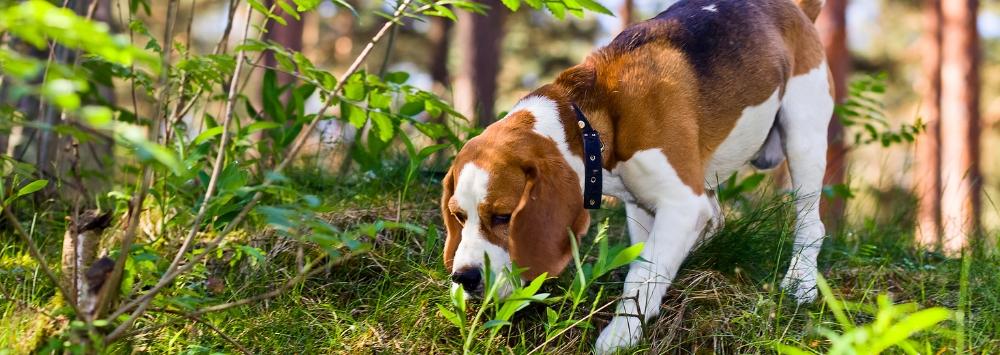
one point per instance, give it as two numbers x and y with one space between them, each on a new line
805 114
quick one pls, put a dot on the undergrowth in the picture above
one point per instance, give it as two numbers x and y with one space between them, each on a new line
724 300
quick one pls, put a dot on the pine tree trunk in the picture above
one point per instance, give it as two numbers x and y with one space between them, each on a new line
928 151
480 39
627 13
832 26
439 36
960 180
289 36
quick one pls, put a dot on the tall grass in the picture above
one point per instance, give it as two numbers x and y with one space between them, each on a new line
724 300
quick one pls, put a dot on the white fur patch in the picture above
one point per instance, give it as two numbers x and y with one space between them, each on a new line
470 191
677 219
743 141
711 8
805 114
548 124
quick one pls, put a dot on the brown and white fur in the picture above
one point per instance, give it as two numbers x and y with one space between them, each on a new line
681 101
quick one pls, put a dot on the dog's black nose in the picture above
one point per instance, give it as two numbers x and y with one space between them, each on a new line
469 278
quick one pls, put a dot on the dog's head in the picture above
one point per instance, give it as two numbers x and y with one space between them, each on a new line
510 195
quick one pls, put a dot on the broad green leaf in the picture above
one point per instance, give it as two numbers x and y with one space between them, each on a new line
306 5
32 187
450 316
902 330
626 256
288 9
495 323
260 126
97 116
353 114
207 134
513 5
398 77
383 125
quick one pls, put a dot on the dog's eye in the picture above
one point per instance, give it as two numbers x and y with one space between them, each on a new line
499 219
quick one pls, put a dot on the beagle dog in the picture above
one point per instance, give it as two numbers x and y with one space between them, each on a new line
657 118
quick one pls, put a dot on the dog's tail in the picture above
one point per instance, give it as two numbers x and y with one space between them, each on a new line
810 7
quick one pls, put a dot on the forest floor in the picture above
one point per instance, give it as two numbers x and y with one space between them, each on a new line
386 301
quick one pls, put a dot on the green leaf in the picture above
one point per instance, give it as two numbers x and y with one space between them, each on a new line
441 11
379 100
626 256
902 330
595 7
557 9
495 323
207 134
398 77
260 126
450 316
383 125
427 151
306 5
256 5
353 114
288 9
535 4
32 187
97 116
513 5
354 89
836 306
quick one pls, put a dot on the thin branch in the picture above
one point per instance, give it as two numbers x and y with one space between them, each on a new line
106 294
219 157
215 329
308 271
224 40
142 302
35 253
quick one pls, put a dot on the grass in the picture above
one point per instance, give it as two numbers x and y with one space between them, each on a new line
723 301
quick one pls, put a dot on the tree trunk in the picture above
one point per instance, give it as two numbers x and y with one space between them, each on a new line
927 172
832 26
479 39
627 13
439 37
289 36
960 180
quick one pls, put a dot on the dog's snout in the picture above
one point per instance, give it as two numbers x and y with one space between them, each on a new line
469 278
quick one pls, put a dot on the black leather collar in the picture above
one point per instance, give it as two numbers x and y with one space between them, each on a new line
592 162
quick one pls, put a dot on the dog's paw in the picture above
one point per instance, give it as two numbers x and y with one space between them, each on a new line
622 333
801 283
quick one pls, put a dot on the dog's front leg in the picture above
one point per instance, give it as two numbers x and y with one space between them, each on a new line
676 226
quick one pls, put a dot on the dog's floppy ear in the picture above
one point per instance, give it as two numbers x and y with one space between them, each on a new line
578 81
451 224
550 206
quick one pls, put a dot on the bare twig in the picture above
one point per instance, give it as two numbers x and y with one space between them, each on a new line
307 271
215 329
106 294
219 158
